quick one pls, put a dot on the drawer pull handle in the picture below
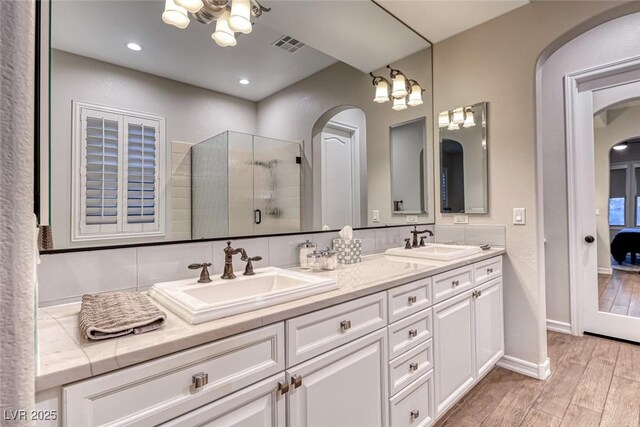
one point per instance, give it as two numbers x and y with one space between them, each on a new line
345 325
455 283
415 414
200 380
413 299
489 270
413 333
296 381
283 387
413 367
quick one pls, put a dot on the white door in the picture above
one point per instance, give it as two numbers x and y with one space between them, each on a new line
259 405
489 325
337 177
345 387
589 93
453 349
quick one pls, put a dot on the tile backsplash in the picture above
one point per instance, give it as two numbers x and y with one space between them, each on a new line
66 277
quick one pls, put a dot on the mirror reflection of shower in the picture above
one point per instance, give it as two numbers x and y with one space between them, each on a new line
245 184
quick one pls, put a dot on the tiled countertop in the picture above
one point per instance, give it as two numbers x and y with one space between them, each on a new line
65 356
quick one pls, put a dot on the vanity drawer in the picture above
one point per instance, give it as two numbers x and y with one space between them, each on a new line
411 365
408 299
157 391
314 333
487 270
413 406
409 332
450 283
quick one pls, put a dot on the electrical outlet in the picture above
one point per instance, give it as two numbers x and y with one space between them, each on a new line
375 214
519 216
461 219
412 218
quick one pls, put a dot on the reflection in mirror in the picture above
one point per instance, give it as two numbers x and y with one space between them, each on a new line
407 141
160 134
463 160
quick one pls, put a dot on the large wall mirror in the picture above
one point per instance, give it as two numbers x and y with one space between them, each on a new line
463 160
156 133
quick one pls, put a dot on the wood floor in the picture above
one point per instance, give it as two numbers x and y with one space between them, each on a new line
620 293
594 382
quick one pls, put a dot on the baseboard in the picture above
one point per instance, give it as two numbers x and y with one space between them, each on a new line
605 270
541 372
555 326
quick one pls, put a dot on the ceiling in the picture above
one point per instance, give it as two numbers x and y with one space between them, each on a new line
358 33
437 20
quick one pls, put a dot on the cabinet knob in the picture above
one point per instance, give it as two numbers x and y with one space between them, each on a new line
415 414
413 299
489 270
455 283
283 387
413 367
345 325
200 379
413 333
296 381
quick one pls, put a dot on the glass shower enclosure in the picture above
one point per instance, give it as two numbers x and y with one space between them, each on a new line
244 184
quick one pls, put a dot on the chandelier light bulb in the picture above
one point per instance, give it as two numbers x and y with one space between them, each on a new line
192 6
469 121
399 104
382 92
399 88
175 15
415 98
443 119
224 36
458 116
453 126
240 18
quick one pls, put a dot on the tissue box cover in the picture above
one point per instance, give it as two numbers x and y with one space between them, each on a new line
348 251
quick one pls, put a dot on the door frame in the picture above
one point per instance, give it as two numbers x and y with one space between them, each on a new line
579 110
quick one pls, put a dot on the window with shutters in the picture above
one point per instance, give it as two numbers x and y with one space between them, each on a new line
119 175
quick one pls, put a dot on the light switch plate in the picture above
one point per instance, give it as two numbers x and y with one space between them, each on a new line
412 218
375 214
461 219
519 216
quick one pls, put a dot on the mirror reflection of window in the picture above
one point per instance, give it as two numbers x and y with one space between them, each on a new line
452 176
407 142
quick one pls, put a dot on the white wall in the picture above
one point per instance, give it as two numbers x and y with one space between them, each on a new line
192 115
606 43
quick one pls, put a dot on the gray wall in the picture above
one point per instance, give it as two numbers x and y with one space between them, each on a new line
192 115
604 44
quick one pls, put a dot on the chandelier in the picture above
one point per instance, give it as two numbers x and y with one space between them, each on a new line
399 88
452 119
231 16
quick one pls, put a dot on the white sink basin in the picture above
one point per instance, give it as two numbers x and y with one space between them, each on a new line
201 302
436 251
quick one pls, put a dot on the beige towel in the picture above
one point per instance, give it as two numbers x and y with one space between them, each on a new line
114 314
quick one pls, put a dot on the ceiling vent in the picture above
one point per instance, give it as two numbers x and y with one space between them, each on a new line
289 44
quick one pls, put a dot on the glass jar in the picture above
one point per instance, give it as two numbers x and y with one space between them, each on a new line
314 261
305 249
329 259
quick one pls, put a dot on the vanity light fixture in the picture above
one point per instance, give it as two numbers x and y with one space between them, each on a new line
404 92
452 119
231 16
443 119
457 115
620 147
134 46
469 121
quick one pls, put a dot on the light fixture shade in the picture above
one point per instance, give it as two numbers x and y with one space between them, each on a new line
458 116
175 15
469 121
224 36
453 126
382 92
192 6
443 119
415 98
240 19
399 88
399 104
620 147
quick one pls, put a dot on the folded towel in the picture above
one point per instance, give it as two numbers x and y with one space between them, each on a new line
114 314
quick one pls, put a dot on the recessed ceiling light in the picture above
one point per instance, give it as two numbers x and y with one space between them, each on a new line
134 46
244 81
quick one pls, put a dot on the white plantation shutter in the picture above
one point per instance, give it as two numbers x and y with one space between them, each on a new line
119 156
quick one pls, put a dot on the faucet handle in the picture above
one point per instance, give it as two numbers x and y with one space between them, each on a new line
407 243
248 270
422 241
204 274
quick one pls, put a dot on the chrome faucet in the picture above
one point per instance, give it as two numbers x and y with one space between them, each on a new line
229 252
415 232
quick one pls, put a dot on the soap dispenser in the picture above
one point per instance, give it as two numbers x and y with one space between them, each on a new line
305 249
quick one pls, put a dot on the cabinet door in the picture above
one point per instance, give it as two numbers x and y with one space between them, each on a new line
259 405
454 349
489 325
345 387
